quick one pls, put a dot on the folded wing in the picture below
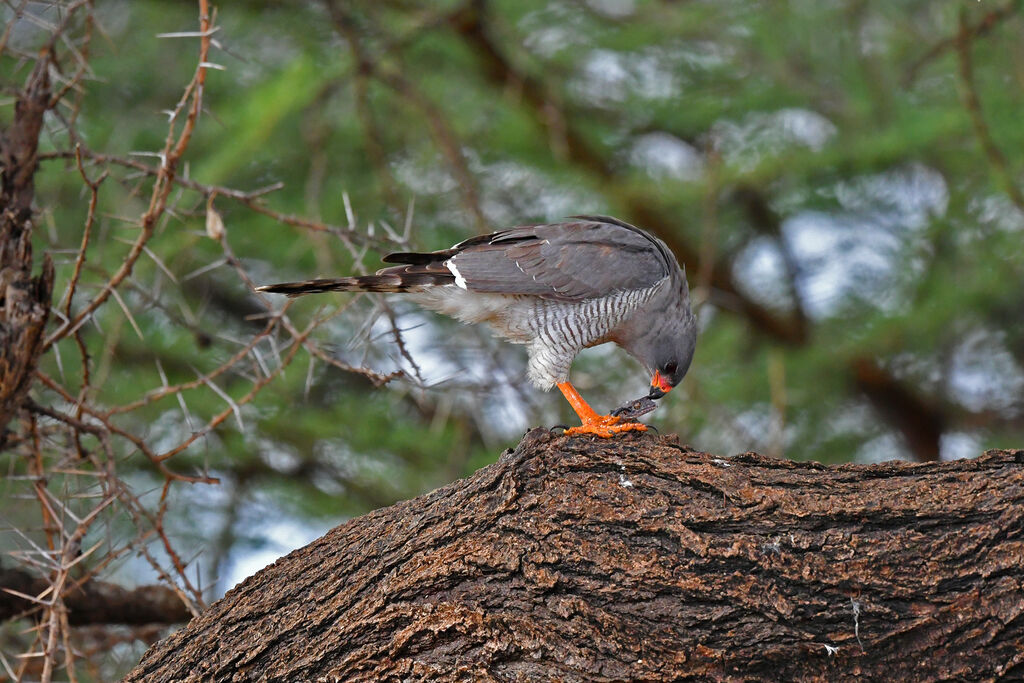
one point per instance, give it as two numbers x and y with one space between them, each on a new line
572 261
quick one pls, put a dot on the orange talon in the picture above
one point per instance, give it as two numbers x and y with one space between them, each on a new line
604 426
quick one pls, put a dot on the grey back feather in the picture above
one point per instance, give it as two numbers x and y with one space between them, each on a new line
563 261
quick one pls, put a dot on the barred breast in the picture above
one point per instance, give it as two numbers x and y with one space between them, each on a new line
555 331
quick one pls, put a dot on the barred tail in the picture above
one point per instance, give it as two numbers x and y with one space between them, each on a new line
396 279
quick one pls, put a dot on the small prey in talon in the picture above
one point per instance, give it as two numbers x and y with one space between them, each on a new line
558 288
635 408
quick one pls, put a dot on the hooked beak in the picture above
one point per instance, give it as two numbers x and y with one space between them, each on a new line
659 387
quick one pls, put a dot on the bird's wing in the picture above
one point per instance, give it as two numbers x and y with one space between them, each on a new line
569 261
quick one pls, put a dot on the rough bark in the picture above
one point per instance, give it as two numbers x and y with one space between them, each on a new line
578 559
24 300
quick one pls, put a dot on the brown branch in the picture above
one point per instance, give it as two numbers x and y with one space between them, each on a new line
469 23
766 221
297 343
440 129
919 422
251 199
75 423
360 83
996 158
984 26
792 331
101 417
80 55
135 164
24 300
91 602
90 219
203 380
170 156
634 559
378 379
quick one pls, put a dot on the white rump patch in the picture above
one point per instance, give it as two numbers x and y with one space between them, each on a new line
459 280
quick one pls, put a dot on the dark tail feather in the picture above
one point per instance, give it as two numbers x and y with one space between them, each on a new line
399 279
365 283
294 289
416 258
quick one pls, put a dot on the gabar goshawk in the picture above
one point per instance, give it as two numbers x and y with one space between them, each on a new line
558 288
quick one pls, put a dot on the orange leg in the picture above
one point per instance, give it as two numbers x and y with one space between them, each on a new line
601 425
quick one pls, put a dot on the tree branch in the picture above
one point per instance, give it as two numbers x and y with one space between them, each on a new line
985 25
996 159
92 602
634 559
919 422
24 300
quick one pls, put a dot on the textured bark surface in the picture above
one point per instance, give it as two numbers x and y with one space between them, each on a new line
24 300
578 559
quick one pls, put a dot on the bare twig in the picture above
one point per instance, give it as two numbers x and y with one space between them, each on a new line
440 128
172 152
984 26
996 159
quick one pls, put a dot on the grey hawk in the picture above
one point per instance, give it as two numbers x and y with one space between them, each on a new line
558 288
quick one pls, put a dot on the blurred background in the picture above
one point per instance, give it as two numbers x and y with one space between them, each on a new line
842 179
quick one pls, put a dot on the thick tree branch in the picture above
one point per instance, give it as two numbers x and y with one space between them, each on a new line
92 602
581 559
24 300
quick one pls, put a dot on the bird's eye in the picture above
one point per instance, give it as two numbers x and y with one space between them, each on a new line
670 369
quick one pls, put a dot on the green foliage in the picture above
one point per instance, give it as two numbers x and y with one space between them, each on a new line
904 247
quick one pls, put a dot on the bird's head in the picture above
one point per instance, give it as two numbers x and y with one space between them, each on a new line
671 356
663 340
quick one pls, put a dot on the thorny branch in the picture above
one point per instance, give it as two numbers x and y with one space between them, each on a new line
70 436
169 158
